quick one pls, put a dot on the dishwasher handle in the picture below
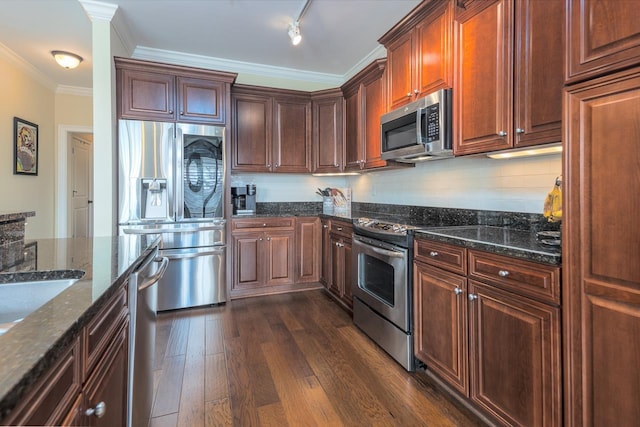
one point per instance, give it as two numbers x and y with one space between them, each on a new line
164 262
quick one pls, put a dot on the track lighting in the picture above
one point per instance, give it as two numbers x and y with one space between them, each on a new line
66 60
294 33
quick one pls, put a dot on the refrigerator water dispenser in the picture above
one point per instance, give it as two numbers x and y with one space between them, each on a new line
154 199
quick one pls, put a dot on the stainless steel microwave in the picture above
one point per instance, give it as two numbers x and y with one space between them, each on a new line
420 130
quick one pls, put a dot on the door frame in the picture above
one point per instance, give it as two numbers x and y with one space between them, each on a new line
62 178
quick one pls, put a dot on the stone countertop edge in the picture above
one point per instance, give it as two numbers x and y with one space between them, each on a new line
523 251
4 217
59 336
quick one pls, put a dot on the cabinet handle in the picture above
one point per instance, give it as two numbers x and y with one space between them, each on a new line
519 131
503 273
472 297
98 411
325 226
457 291
502 133
433 253
339 228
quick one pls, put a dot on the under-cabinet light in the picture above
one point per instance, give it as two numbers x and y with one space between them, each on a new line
527 152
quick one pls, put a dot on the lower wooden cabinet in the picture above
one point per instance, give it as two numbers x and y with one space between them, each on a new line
497 347
325 269
340 258
271 255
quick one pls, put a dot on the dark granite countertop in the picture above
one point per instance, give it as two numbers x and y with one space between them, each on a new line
31 346
11 216
499 240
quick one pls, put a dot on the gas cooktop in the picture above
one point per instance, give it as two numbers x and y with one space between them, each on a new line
385 227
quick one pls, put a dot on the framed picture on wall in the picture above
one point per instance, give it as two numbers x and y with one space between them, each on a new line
25 147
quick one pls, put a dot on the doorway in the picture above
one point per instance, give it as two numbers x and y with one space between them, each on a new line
74 199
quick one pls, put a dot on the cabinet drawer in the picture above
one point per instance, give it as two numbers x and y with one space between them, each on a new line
103 327
51 398
448 257
341 228
262 223
522 277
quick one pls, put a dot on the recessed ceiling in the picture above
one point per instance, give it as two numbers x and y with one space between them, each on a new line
338 35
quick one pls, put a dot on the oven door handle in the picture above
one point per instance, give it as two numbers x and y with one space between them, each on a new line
391 254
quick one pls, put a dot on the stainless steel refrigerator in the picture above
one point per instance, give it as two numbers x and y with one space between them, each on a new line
171 182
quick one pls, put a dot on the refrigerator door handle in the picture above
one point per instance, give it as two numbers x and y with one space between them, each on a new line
178 144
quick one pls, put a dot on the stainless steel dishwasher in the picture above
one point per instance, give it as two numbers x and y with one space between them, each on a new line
143 302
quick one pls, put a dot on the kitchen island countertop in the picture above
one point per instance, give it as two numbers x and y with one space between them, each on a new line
31 346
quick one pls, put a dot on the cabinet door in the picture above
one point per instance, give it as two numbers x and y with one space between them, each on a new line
292 135
440 306
400 55
279 250
308 248
373 102
352 148
337 266
201 101
147 95
603 36
247 259
434 51
538 72
327 139
347 278
108 386
325 276
484 77
601 275
514 357
251 133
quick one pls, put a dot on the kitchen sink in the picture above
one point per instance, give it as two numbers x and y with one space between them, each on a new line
19 299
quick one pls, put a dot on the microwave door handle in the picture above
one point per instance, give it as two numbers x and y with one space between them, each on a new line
419 125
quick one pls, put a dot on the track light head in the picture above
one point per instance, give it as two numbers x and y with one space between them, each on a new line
294 33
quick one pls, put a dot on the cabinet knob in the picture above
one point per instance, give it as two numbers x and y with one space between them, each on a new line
519 131
269 166
457 291
472 297
337 165
339 228
503 273
98 411
182 113
325 226
502 133
416 91
264 224
408 94
277 165
268 239
433 253
260 239
170 111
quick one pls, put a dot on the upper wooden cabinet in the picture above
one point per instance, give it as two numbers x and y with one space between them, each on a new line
153 91
508 81
419 53
271 130
364 98
603 36
327 124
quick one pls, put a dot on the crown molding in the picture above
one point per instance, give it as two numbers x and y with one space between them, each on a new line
222 64
99 11
25 66
74 90
122 31
377 53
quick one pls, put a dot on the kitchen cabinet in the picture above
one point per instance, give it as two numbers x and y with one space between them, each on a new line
485 328
602 37
601 282
420 53
308 249
90 370
327 122
341 269
163 92
364 96
508 84
271 130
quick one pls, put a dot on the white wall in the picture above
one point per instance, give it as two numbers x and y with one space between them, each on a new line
514 185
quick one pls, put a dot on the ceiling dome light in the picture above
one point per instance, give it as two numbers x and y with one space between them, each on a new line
66 60
294 33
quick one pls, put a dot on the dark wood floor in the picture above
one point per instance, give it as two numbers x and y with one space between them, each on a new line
285 360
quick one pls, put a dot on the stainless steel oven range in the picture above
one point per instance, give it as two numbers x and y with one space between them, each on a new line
382 290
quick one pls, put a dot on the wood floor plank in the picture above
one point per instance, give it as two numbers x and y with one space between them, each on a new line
272 415
243 408
170 420
215 378
167 399
218 414
192 398
214 340
163 331
177 344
